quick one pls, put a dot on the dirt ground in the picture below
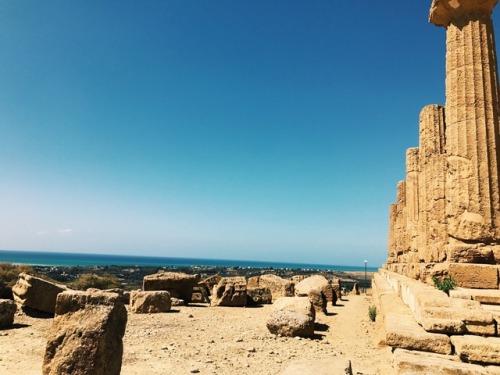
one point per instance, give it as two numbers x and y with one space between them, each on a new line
219 340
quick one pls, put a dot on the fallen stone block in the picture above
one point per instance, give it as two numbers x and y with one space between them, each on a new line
146 302
292 316
7 310
259 296
178 284
230 291
477 349
86 335
278 286
35 293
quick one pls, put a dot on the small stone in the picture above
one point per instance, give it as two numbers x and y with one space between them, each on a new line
194 370
252 350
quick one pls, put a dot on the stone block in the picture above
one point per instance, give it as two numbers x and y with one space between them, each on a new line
413 363
178 284
146 302
278 286
485 350
35 293
259 296
292 316
230 291
86 335
474 276
7 310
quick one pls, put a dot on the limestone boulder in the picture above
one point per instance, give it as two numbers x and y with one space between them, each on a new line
35 293
200 294
318 290
230 291
86 334
179 285
259 296
146 302
292 316
278 286
7 311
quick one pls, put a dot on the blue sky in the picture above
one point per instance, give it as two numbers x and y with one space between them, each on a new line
260 130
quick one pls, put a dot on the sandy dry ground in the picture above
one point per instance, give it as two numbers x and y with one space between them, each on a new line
208 340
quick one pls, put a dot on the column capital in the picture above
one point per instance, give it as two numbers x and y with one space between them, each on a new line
444 12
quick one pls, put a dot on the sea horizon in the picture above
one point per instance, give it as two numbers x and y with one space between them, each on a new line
66 259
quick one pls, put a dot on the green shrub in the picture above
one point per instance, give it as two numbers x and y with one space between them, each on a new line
91 280
446 284
372 313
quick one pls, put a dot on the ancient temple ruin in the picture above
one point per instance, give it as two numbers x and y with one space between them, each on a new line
447 216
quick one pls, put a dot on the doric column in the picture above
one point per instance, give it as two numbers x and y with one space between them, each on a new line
412 194
472 122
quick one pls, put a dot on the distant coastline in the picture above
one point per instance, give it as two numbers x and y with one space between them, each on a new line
61 259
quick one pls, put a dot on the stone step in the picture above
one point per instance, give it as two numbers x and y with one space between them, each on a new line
412 363
436 312
401 328
484 296
477 349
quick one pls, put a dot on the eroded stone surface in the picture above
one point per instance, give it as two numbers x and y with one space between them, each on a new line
7 310
86 335
35 293
146 302
230 291
179 285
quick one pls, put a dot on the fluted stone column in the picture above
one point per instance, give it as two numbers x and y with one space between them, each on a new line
472 122
432 236
412 201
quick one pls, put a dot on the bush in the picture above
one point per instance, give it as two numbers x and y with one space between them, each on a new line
91 280
446 284
372 313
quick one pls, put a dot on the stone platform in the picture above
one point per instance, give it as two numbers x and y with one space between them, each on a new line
432 333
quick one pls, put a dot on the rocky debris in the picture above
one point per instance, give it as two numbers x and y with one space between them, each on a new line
35 293
177 302
259 296
145 302
86 335
179 285
278 286
7 310
230 291
337 290
200 295
292 316
355 289
319 291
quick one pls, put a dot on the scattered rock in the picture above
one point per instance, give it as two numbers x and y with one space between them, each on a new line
230 291
179 285
292 316
7 311
278 286
86 335
259 296
150 302
35 293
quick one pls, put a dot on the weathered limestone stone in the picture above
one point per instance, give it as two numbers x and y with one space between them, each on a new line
145 302
401 328
486 296
7 310
35 293
230 291
259 296
179 285
474 275
86 335
209 282
477 349
292 316
412 363
278 286
318 290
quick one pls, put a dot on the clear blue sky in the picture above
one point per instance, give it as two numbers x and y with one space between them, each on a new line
260 130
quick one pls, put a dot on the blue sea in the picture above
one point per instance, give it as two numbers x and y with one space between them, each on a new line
43 258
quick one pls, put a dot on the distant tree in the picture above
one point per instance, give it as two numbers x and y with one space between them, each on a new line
91 280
